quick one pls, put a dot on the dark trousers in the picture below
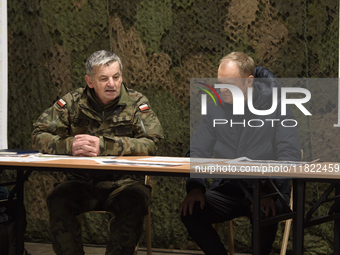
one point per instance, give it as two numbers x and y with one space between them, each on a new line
8 232
7 238
127 199
220 207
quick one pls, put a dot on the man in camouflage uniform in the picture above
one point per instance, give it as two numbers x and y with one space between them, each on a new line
105 118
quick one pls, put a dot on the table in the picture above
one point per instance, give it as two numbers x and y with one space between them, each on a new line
24 169
328 172
304 220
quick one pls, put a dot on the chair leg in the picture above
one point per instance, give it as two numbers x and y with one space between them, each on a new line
217 227
136 249
230 237
287 225
285 237
148 224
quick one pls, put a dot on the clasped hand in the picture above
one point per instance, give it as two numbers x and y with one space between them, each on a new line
85 146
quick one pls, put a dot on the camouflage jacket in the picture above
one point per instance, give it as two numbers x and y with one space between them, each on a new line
125 128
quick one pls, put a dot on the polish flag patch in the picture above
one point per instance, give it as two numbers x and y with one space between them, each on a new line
61 103
144 107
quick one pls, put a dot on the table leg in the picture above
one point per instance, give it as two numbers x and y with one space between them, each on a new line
19 250
256 217
337 226
298 222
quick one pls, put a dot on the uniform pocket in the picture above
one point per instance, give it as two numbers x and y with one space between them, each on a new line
122 126
123 130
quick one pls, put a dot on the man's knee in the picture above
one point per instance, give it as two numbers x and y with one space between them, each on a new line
130 199
59 202
67 195
52 199
196 217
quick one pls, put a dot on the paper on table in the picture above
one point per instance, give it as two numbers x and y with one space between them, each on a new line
55 157
44 157
21 159
205 160
171 159
135 163
18 152
245 160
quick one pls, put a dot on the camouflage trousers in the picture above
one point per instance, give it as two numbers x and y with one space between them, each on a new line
127 199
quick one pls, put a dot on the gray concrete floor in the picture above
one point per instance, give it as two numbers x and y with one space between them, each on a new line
46 249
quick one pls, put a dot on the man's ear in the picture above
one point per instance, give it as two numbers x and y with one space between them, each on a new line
89 81
250 81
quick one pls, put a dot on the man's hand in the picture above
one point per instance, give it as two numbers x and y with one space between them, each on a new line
266 204
85 145
189 201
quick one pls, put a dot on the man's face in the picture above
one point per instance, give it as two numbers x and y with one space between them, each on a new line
228 73
106 82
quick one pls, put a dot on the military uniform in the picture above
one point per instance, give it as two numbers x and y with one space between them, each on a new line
125 126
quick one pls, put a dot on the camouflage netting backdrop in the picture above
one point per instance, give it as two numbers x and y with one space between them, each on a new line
164 43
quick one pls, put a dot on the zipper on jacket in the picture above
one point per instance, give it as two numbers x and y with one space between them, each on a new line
54 122
86 111
141 124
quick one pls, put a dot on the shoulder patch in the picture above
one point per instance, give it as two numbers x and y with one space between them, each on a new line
61 103
144 107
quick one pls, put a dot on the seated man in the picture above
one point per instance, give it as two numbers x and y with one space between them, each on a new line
105 119
225 199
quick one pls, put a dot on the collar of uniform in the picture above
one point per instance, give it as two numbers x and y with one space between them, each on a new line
96 104
124 97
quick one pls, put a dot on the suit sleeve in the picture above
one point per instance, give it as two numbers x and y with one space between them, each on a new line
287 149
287 138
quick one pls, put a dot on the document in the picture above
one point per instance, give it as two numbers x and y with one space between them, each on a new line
14 152
168 159
135 162
245 160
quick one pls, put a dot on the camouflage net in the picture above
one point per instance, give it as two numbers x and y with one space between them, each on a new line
58 63
163 44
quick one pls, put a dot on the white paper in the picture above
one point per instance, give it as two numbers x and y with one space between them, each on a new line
20 159
245 160
39 157
135 162
168 159
52 156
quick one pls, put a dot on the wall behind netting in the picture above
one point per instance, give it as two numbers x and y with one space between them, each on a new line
163 44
